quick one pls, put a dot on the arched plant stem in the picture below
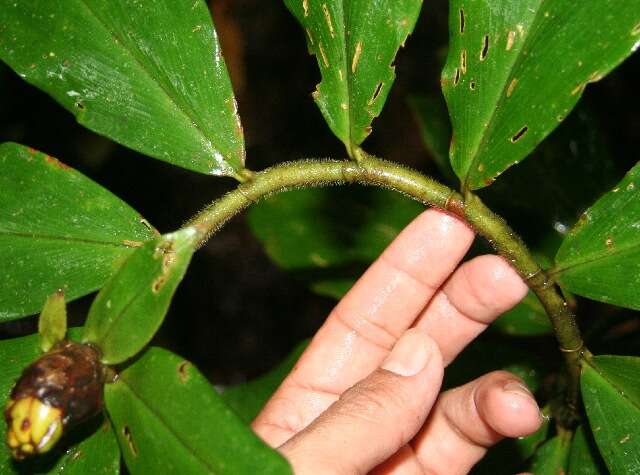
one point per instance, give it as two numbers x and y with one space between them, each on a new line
373 171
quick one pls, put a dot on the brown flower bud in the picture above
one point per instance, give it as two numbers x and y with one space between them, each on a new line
58 390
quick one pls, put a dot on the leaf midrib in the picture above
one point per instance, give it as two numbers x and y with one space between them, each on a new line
194 454
605 253
193 124
349 75
501 98
113 322
63 238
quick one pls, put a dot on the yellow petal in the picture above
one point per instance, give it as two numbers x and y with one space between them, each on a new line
20 423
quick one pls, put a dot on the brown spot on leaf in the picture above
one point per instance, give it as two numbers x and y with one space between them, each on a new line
56 163
147 225
512 86
158 283
183 371
485 47
126 433
327 17
323 55
456 78
461 21
376 93
609 242
578 89
356 57
519 134
511 38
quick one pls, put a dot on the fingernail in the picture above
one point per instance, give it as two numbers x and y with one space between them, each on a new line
516 387
410 355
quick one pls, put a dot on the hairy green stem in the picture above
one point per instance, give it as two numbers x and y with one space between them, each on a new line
373 171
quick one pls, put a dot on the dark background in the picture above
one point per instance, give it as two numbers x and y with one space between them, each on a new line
236 314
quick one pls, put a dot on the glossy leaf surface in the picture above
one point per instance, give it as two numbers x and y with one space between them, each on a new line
552 457
611 395
170 420
90 448
516 69
327 246
58 230
131 306
149 75
600 258
544 196
584 458
304 229
355 43
249 398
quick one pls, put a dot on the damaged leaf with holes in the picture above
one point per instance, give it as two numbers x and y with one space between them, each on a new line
169 419
355 43
128 311
149 75
600 257
516 69
49 235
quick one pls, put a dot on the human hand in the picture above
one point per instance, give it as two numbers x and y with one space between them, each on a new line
365 395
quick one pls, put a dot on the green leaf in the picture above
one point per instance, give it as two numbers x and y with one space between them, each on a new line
542 197
52 323
600 258
516 69
58 230
585 458
90 448
170 420
303 229
355 43
149 75
611 395
327 246
526 318
249 398
130 308
552 457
